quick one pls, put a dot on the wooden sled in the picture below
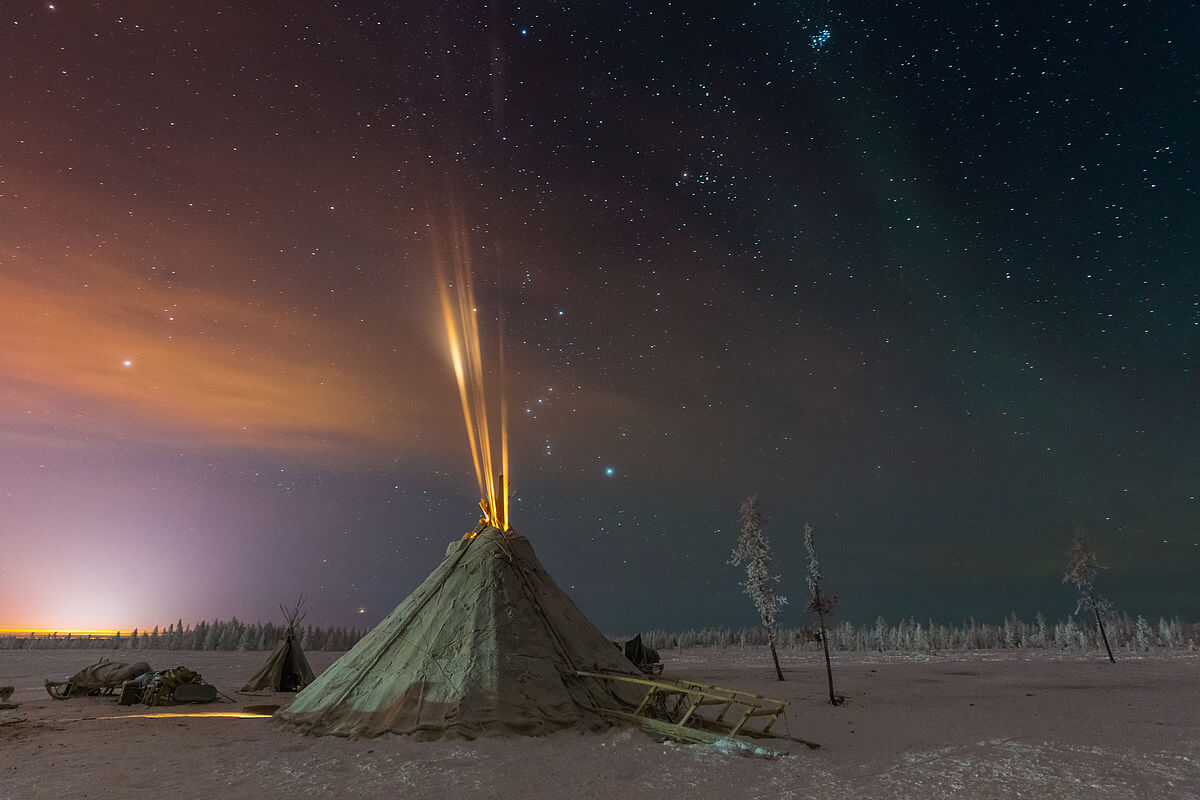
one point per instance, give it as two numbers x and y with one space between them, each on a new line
688 711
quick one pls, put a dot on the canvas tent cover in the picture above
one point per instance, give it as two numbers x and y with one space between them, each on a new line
488 644
286 669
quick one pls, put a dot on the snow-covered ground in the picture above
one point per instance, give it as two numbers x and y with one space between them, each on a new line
994 724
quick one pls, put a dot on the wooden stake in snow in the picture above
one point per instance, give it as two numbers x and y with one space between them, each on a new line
754 551
1082 566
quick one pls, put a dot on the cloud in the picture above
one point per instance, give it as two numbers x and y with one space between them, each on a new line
98 342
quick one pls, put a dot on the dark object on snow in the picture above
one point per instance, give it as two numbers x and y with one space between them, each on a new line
103 677
644 658
131 691
168 687
287 668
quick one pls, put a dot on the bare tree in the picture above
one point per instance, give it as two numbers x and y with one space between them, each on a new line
1082 566
754 551
822 606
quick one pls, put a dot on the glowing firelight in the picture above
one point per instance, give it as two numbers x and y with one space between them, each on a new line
226 714
466 353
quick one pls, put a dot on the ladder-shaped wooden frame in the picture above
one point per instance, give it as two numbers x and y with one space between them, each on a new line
694 726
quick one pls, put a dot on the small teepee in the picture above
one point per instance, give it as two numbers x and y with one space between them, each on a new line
487 645
287 668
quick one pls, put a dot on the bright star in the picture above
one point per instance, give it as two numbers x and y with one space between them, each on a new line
610 471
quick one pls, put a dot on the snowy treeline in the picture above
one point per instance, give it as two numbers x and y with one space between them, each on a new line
912 636
215 635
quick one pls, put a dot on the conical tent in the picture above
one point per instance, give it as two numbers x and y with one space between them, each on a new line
487 645
287 668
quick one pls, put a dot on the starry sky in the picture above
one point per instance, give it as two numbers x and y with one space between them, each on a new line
921 274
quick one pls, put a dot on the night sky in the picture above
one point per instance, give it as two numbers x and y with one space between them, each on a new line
924 275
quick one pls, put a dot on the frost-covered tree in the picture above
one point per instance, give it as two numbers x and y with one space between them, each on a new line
212 635
1042 637
754 551
1171 632
1082 566
879 634
230 635
1144 634
1014 631
821 605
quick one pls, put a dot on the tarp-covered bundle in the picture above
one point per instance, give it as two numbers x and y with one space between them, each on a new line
101 677
287 668
487 645
168 687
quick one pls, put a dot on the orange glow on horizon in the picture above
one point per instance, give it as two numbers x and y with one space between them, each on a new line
46 631
466 354
36 631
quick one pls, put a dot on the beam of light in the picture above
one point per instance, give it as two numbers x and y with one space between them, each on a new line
504 494
460 312
174 715
504 461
